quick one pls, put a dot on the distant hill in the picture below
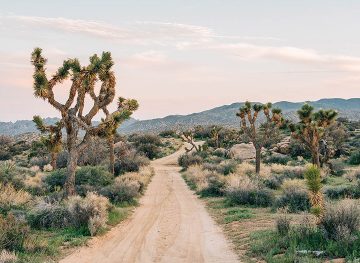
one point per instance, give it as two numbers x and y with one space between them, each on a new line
223 115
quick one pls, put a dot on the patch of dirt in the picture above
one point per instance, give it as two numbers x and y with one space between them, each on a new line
170 225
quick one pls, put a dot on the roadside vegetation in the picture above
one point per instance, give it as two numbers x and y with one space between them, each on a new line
301 206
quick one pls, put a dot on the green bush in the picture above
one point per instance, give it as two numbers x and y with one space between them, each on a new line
282 225
130 163
295 201
49 215
274 181
277 158
257 197
354 158
169 134
187 160
341 221
96 176
337 167
148 144
12 232
347 191
121 191
215 186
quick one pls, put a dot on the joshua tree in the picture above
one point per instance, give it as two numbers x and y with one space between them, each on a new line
311 129
313 181
52 137
126 107
215 135
188 136
264 133
74 119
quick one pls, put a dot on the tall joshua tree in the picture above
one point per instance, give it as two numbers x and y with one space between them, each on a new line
52 137
264 133
73 117
311 129
126 107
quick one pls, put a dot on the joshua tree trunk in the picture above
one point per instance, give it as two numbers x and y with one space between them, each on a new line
315 157
257 158
111 154
53 160
69 187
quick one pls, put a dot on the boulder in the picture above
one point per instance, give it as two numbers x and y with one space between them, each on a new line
242 151
282 147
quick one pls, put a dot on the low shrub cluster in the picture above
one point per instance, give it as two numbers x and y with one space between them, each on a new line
256 196
336 236
294 197
90 212
347 191
187 160
205 182
277 158
10 198
354 158
13 233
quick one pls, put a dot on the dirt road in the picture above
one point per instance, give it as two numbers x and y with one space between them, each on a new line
170 225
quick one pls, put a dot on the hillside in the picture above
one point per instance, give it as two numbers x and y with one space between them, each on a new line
223 115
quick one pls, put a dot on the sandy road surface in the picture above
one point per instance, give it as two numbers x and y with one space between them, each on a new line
170 225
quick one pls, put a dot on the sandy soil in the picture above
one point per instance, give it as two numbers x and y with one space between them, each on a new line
170 225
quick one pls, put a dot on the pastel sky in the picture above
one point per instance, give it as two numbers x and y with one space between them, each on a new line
179 57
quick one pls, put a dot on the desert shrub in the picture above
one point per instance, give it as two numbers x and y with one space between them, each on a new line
131 161
121 191
8 257
96 176
294 200
96 153
56 179
341 221
227 167
4 155
220 152
205 182
277 158
187 160
168 134
214 185
40 161
148 144
337 167
61 160
347 191
12 232
258 197
282 224
294 197
9 174
298 149
49 215
354 158
10 198
91 211
93 175
274 181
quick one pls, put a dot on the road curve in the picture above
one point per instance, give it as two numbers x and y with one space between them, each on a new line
170 225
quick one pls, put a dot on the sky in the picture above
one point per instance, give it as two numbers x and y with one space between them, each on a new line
179 56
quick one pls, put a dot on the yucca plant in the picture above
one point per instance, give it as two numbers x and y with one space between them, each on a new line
314 185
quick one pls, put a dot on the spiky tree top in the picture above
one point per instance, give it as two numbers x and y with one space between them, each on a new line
83 79
248 115
312 124
52 134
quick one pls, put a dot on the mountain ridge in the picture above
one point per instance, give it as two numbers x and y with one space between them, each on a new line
221 115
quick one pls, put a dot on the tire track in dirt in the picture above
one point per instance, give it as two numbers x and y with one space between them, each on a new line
170 225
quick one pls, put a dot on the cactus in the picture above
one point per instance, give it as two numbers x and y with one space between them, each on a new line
316 197
310 131
73 117
261 134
